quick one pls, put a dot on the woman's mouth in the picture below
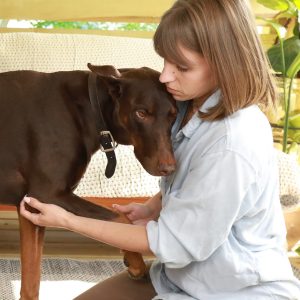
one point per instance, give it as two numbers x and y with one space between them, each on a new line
172 91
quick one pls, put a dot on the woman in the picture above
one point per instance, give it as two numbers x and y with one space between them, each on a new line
216 227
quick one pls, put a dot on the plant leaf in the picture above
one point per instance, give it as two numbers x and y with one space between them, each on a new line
275 4
291 48
280 30
297 3
294 68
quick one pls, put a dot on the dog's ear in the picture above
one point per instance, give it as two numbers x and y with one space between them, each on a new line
106 70
114 86
111 77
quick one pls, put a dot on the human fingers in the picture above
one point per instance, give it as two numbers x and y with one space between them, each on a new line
123 208
33 217
130 210
50 215
34 203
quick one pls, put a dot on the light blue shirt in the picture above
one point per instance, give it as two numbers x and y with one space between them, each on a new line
221 227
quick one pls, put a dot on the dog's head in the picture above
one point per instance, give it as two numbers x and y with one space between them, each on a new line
144 113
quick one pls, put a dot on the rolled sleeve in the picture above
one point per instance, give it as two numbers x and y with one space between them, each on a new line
166 246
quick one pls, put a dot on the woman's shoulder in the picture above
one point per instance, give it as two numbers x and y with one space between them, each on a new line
246 133
249 134
249 125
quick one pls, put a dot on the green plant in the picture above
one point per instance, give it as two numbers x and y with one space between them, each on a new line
284 57
95 25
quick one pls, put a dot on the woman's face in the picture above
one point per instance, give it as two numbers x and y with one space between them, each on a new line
191 81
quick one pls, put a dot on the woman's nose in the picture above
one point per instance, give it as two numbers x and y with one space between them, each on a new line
167 75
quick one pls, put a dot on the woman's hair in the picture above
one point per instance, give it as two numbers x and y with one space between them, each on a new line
224 33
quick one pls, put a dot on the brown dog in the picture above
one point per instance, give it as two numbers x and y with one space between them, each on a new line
52 123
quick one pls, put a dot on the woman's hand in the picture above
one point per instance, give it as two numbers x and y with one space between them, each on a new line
120 235
141 213
137 213
49 215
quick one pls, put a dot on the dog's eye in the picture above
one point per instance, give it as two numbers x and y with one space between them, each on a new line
141 114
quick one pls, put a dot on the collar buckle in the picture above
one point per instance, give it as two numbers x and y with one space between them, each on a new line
108 143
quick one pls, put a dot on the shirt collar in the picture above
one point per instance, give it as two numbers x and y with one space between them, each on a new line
195 121
211 101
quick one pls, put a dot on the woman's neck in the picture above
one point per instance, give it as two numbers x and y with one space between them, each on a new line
198 102
193 107
190 111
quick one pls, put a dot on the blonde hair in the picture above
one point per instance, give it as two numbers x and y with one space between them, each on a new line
224 32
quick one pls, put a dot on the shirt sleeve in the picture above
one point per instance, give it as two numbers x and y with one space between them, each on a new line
198 217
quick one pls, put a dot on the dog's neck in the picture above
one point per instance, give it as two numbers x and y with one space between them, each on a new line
108 108
112 118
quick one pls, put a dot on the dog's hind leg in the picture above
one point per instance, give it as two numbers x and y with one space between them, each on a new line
31 248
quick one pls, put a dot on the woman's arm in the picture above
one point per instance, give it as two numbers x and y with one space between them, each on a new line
123 236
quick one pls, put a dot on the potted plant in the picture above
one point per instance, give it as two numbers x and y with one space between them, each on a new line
284 56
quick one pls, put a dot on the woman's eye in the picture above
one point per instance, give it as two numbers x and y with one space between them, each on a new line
141 114
182 69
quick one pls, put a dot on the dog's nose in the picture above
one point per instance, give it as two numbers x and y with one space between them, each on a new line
166 169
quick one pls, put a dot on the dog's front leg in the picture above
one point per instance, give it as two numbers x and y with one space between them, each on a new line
31 248
134 261
81 207
135 264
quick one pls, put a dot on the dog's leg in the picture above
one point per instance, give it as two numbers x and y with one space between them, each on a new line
73 203
135 264
31 241
134 261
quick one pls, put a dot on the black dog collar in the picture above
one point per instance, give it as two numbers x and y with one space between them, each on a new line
107 142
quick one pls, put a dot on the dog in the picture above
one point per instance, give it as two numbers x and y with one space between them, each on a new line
51 125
